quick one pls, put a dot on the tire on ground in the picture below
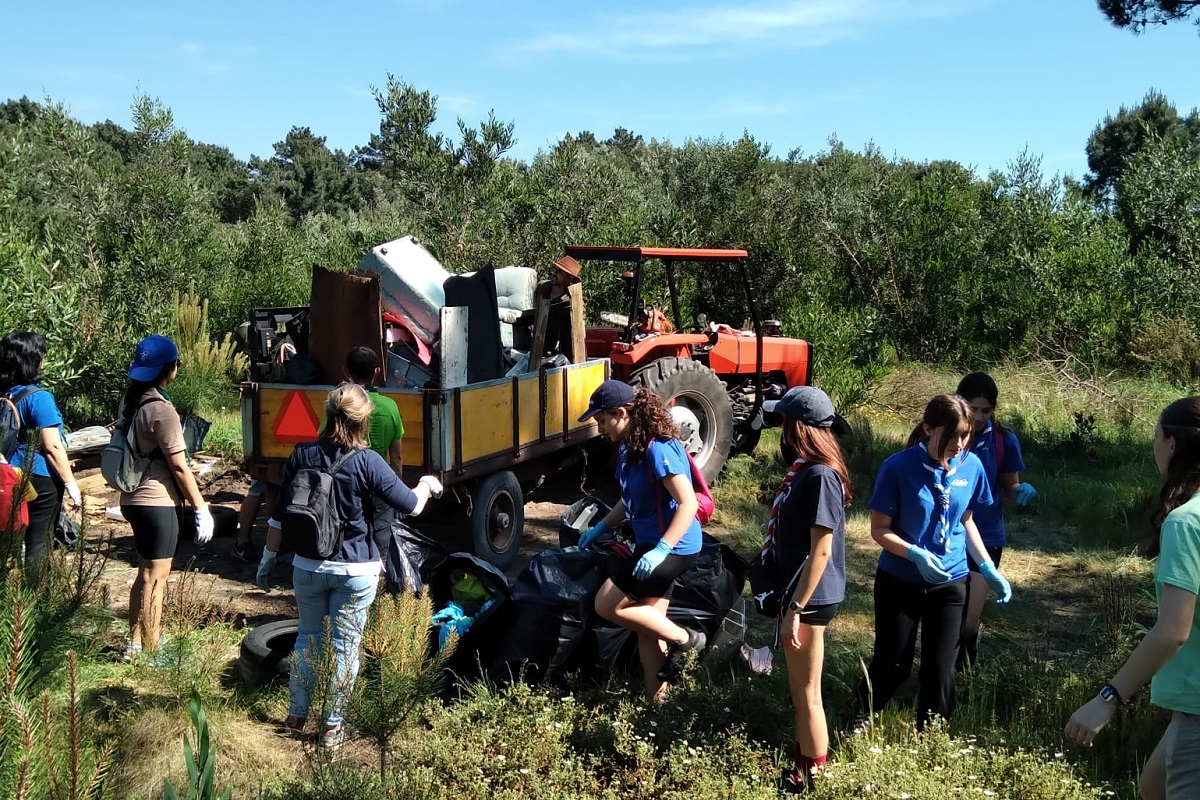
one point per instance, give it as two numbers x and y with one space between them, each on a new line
498 518
690 387
266 654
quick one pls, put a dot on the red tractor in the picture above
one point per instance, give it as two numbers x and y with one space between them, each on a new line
714 376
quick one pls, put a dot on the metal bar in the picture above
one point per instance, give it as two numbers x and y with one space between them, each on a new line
669 264
637 297
458 435
541 404
566 405
516 417
758 340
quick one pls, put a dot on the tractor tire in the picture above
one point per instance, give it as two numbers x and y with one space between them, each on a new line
266 653
700 406
745 440
498 519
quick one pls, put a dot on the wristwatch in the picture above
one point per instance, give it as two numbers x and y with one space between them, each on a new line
794 607
1109 694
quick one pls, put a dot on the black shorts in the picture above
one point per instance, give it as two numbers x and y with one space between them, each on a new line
818 615
657 583
993 552
155 529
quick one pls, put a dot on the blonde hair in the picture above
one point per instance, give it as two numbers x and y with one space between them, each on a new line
348 416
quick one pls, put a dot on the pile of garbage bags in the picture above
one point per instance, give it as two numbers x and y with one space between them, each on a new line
543 626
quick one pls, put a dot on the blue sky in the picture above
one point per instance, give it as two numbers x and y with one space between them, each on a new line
976 81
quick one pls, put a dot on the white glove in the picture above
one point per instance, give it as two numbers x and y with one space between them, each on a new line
204 525
435 486
72 490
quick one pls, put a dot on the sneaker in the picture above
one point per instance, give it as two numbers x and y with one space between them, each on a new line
860 723
132 650
672 668
246 551
792 782
336 736
293 727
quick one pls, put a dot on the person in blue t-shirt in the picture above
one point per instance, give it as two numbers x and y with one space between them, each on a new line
658 500
922 516
997 447
22 359
807 533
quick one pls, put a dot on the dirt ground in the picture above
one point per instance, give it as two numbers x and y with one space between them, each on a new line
230 582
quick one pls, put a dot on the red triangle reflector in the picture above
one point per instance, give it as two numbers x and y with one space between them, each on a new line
296 422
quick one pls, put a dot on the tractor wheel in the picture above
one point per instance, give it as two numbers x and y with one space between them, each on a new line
745 440
498 519
700 406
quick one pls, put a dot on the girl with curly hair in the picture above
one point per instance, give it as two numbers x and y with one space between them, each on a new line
657 498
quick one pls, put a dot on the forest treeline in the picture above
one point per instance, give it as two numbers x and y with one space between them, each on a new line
871 257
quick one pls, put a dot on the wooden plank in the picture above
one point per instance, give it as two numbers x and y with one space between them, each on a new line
538 348
578 352
344 313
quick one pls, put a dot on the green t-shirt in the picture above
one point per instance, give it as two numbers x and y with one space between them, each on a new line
1177 685
386 425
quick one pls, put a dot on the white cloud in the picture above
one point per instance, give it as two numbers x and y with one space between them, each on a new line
696 32
211 59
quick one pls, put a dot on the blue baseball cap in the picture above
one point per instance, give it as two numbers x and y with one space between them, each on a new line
610 394
809 405
152 354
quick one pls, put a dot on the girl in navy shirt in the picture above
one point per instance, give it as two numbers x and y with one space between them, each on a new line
921 515
807 534
658 500
1000 452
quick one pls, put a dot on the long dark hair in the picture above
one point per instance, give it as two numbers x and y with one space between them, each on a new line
135 389
1179 421
944 411
818 446
980 384
649 419
21 354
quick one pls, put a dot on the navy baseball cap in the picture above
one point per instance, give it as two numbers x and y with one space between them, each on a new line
809 405
152 354
610 394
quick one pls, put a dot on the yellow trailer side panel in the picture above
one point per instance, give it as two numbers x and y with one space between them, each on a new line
487 420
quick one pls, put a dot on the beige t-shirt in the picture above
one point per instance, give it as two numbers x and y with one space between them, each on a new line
156 426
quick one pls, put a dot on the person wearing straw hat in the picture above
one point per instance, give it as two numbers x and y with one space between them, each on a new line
558 322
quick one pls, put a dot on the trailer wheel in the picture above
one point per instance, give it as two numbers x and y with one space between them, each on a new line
700 406
498 519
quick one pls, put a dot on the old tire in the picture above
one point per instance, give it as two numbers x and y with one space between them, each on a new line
700 406
266 653
498 518
745 441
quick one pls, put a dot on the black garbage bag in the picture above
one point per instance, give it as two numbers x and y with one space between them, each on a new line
415 563
551 607
578 517
703 595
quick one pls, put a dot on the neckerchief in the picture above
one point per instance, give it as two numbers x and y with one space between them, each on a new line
941 492
769 536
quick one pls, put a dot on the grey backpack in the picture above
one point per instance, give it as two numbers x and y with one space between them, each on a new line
122 466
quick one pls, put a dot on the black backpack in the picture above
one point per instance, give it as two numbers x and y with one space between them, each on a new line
311 524
11 426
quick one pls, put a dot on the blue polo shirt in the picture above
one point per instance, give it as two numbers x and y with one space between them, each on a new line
906 491
648 505
990 518
38 410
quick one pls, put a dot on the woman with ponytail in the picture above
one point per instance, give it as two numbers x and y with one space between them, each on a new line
921 515
657 498
1169 655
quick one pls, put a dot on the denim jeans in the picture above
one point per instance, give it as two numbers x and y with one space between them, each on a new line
344 600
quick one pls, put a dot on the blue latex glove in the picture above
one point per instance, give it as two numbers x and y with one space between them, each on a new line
998 582
591 534
929 565
265 565
1024 493
652 560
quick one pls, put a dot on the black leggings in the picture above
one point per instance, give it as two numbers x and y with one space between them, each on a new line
43 517
899 608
